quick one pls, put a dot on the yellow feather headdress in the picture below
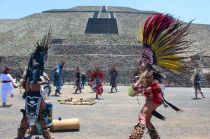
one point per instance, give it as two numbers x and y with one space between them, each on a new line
163 40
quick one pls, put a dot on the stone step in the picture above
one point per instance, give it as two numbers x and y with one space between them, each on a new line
63 49
90 61
86 62
97 39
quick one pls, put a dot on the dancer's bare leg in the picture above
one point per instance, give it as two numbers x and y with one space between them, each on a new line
148 115
144 121
199 89
196 93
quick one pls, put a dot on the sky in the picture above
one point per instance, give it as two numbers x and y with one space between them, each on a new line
186 10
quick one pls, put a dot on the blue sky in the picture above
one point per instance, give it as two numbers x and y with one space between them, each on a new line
185 9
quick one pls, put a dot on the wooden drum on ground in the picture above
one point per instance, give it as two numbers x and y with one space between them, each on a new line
65 125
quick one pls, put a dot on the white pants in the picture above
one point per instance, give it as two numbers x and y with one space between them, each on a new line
5 93
4 97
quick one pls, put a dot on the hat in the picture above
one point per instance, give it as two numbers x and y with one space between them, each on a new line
6 69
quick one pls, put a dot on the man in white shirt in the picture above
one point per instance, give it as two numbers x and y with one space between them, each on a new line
7 85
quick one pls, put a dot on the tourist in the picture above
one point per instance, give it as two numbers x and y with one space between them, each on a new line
89 79
78 81
7 86
84 79
197 81
157 28
57 78
113 78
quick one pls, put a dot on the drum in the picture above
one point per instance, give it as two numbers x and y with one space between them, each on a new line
65 125
49 110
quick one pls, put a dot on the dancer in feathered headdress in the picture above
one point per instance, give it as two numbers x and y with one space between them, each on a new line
34 101
163 41
97 78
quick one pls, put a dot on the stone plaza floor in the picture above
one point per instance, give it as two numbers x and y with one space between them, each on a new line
115 114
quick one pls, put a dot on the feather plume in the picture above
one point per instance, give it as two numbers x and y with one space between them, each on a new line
38 57
166 37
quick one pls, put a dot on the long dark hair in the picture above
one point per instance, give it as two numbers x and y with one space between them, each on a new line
156 74
6 71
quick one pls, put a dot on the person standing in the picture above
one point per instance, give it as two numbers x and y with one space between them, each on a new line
78 81
113 77
84 79
7 85
57 78
197 81
89 79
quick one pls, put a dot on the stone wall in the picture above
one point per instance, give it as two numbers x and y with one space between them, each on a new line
116 50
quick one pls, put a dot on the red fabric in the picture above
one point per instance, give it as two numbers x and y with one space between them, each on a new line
154 93
148 92
99 74
158 22
7 70
99 89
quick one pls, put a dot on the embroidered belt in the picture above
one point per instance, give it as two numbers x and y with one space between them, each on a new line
6 81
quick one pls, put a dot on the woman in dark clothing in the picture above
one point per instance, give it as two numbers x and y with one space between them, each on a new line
78 81
197 81
83 78
113 78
